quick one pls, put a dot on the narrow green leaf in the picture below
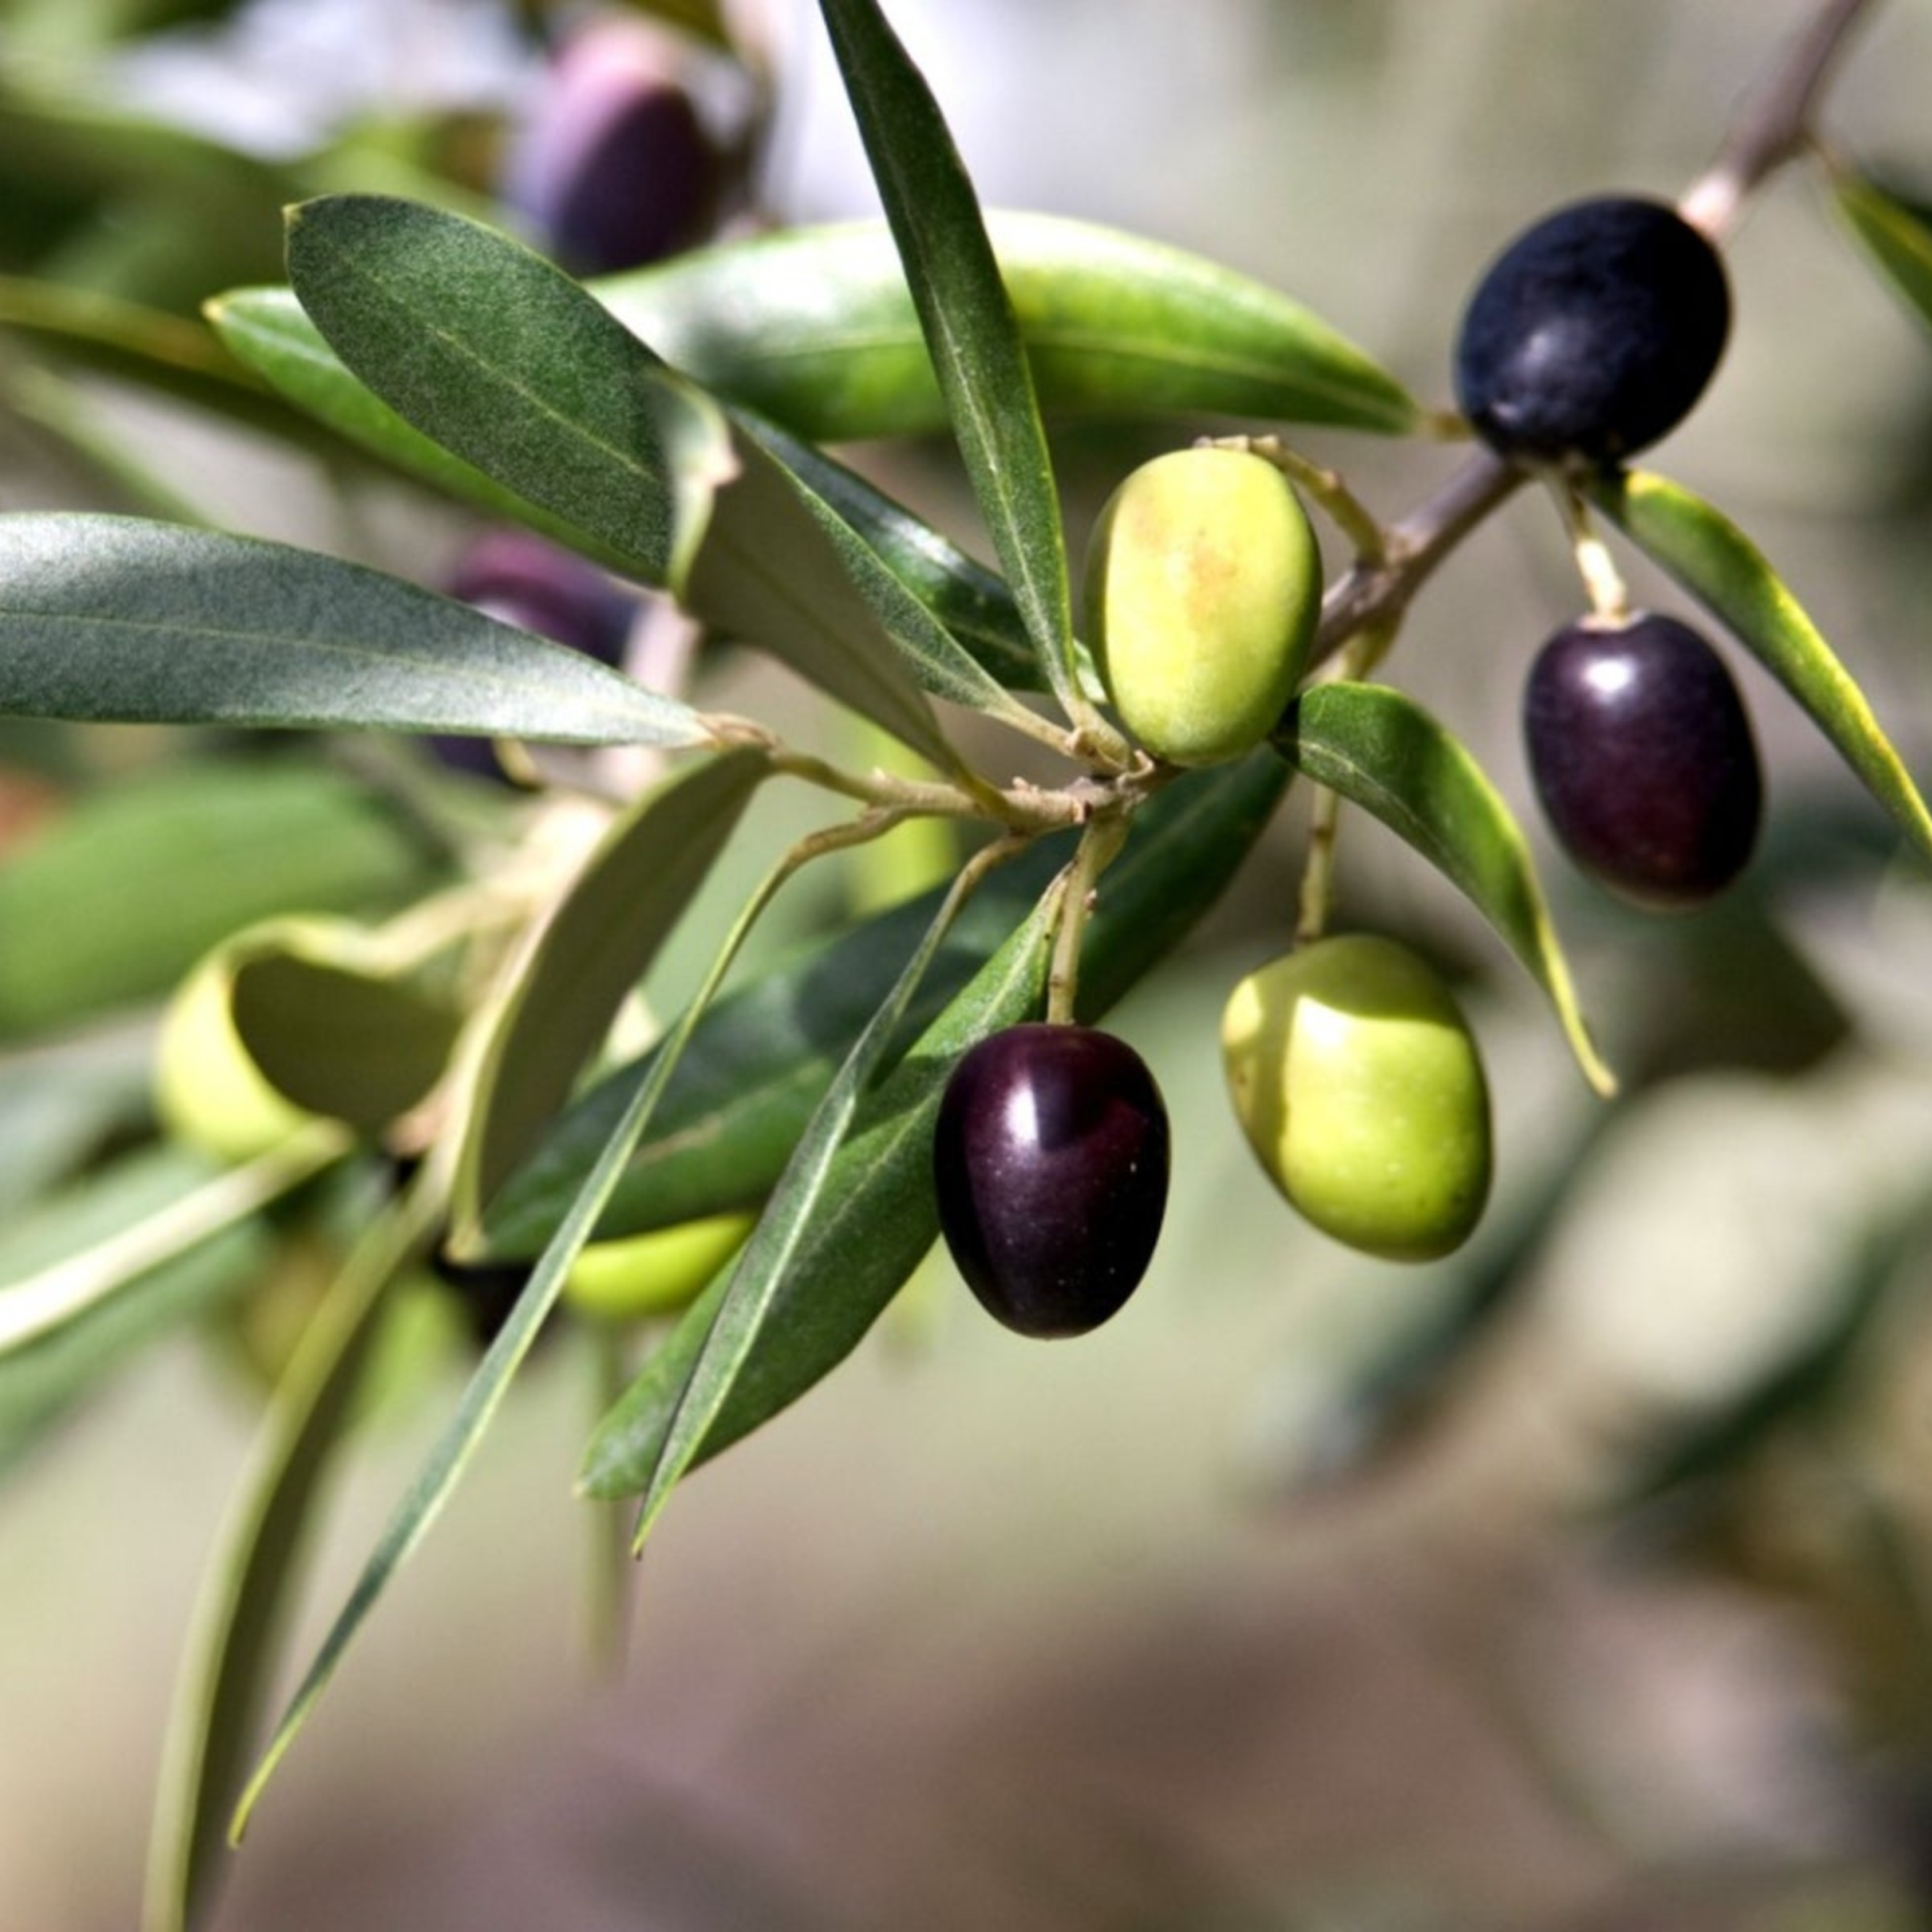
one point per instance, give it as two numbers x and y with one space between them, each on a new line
115 619
814 328
501 357
936 661
1894 235
266 328
88 1335
759 1063
871 1219
744 1305
972 604
1719 565
967 321
129 341
444 1467
775 571
875 1215
595 949
226 1672
115 900
336 1039
1379 748
34 1305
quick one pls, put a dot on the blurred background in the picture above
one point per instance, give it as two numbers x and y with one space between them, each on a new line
1577 1583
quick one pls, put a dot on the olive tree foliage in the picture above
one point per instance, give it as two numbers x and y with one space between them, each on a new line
460 1077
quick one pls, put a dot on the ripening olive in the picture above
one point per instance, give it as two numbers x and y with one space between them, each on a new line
1643 760
614 167
1358 1084
1050 1157
1593 333
1203 587
654 1273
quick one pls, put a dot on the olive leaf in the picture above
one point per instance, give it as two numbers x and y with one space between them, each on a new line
266 329
745 1304
337 1038
759 1063
875 1215
1894 235
1719 565
99 330
64 1287
501 357
593 952
778 570
117 619
863 1218
967 321
246 1590
450 1455
814 327
1379 748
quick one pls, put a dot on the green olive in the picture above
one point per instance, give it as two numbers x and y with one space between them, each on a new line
1358 1084
656 1274
1203 587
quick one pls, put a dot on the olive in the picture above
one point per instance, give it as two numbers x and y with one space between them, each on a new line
1359 1087
613 167
539 586
1203 587
524 580
1593 333
1050 1158
654 1273
1642 758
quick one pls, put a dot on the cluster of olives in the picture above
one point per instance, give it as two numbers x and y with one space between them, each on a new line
1353 1074
1587 339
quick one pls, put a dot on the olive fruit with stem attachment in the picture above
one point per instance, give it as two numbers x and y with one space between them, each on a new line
1593 334
1642 758
1051 1157
1358 1084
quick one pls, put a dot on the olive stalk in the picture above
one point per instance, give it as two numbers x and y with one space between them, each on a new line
1602 582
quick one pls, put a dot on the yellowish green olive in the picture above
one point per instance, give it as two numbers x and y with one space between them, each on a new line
655 1273
1359 1086
1203 588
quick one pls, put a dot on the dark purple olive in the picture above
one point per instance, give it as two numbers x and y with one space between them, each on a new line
1593 333
1642 757
538 586
614 168
1051 1155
